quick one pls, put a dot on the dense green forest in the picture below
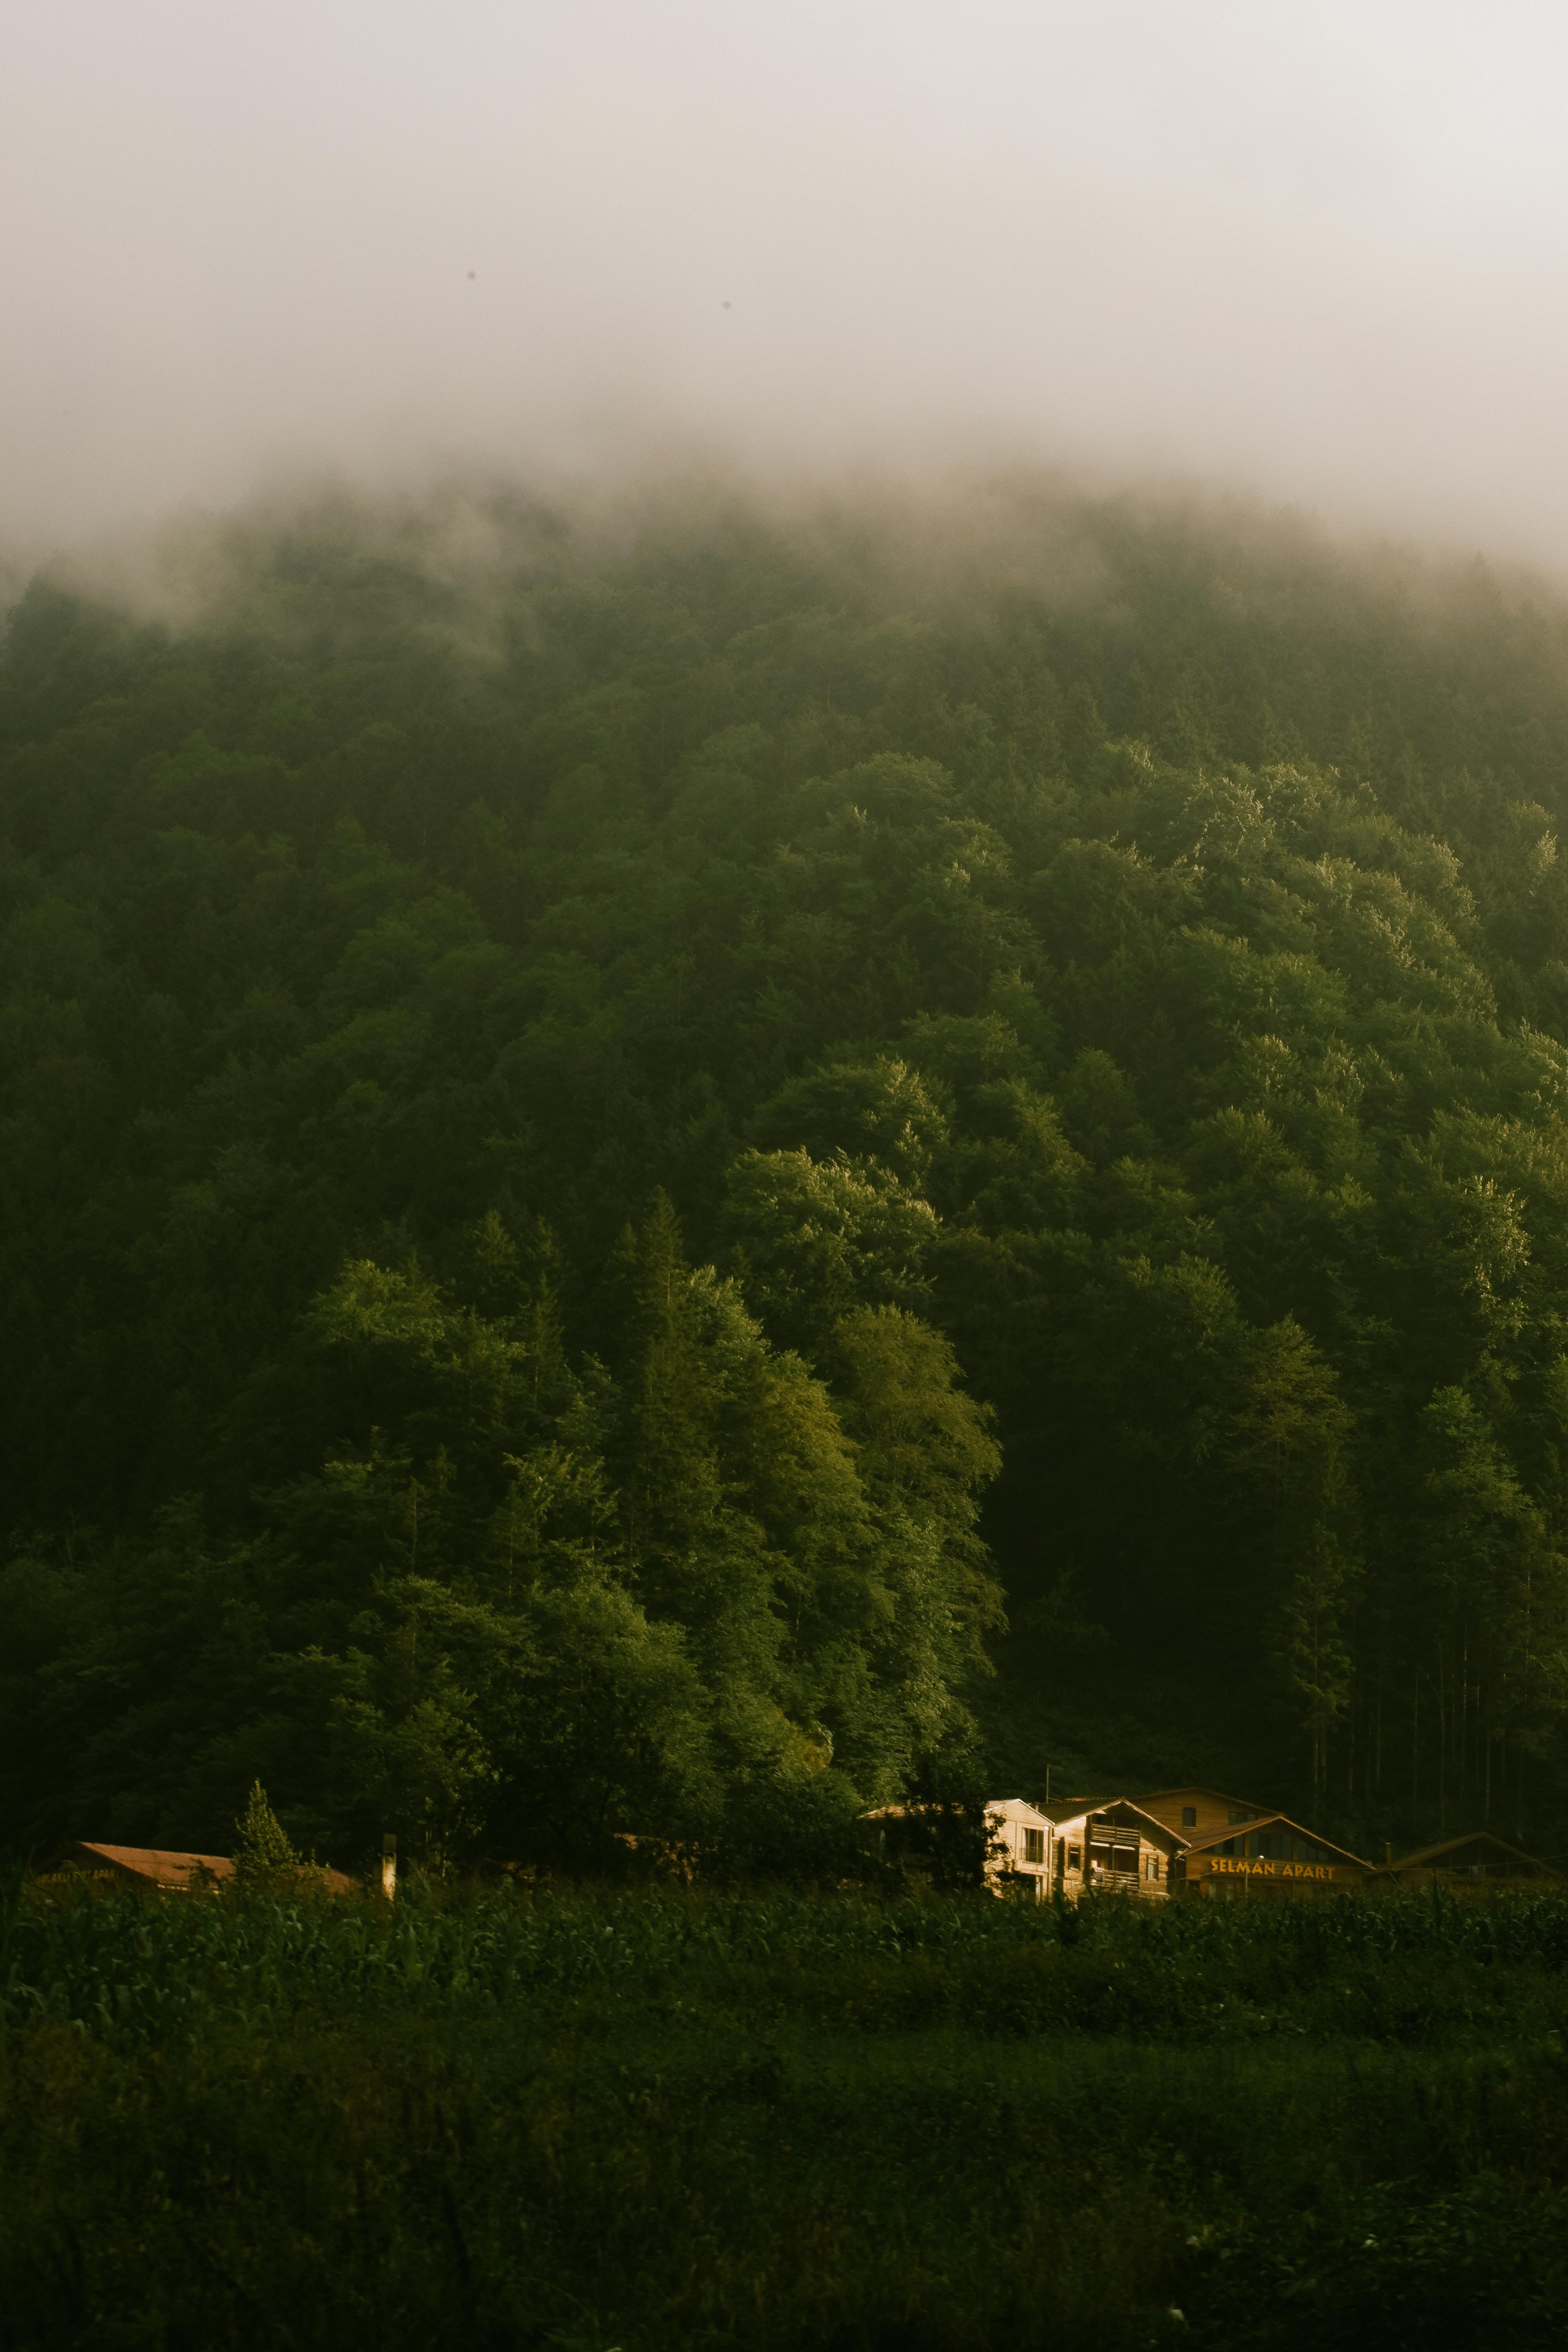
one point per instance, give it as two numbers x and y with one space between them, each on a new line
706 1166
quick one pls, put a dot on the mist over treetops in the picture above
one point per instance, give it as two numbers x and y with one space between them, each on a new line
683 1173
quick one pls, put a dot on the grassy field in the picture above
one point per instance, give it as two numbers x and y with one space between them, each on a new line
583 2120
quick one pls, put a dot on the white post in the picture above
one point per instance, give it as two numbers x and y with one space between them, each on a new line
389 1866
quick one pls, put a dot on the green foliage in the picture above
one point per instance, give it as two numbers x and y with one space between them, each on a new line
591 1163
662 2118
528 1609
262 1851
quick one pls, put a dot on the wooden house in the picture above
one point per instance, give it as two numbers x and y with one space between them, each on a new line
1019 1847
1197 1813
1070 1850
1111 1847
1476 1860
1270 1854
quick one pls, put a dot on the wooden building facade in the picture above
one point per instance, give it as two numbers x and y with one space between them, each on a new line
1112 1846
1272 1856
1192 1842
1197 1813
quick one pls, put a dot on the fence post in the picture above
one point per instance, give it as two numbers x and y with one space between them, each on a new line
389 1866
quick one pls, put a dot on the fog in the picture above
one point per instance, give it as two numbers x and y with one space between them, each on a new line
1315 254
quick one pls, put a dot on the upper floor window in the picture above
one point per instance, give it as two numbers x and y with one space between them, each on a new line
1034 1846
1189 1817
1121 1858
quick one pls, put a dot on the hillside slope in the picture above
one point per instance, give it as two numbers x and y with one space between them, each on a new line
1095 988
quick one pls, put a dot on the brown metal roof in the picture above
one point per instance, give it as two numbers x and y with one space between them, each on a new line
1431 1856
1147 1824
1264 1822
161 1867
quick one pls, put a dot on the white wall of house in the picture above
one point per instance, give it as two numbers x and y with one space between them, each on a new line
1020 1845
1113 1847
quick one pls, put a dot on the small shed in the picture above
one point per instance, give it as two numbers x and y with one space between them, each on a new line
176 1872
154 1866
1271 1856
1476 1859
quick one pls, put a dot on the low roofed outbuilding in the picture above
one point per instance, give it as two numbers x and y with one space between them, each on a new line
157 1865
176 1870
1479 1857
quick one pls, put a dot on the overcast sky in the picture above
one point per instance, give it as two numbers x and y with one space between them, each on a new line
1320 250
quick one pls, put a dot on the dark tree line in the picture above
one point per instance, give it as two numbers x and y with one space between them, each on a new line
738 1167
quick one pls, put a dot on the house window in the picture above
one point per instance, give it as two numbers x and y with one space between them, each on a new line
1241 1817
1189 1817
1034 1846
1075 1857
1151 1867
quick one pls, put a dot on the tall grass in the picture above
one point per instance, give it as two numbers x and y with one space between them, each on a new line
157 1968
569 2119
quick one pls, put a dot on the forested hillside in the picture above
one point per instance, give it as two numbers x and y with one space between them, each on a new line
719 1168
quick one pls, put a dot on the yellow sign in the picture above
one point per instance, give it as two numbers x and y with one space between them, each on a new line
1271 1869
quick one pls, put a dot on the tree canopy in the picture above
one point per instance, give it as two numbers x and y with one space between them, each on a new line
670 1187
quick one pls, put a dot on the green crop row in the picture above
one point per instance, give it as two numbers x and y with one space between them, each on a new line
154 1968
579 2119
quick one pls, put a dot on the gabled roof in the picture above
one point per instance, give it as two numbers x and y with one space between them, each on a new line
1431 1857
1265 1821
161 1867
1144 1823
1058 1816
1074 1809
1015 1808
